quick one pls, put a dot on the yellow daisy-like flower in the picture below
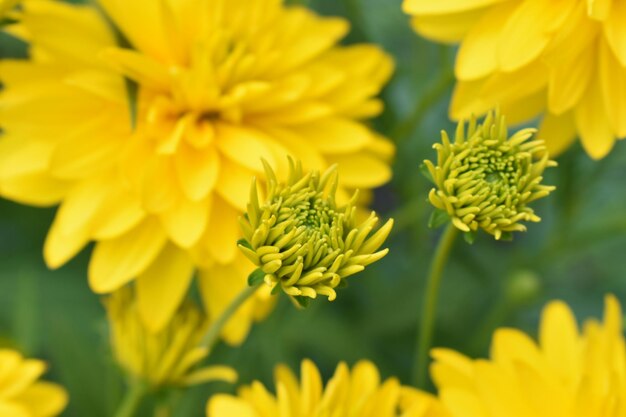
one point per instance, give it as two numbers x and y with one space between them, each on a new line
567 373
219 86
356 393
169 357
21 393
6 6
564 59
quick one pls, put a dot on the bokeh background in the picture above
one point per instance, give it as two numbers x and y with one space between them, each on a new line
576 254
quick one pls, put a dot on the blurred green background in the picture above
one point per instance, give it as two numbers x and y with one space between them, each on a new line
574 254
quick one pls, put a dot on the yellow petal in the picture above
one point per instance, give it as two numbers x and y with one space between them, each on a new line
137 66
186 221
119 213
36 189
529 30
43 399
559 132
559 338
466 100
444 6
593 124
599 9
162 286
613 84
312 386
11 409
463 403
222 231
222 405
615 30
61 246
21 377
211 373
244 146
336 135
69 31
155 35
233 184
219 285
510 346
569 81
197 171
159 187
524 109
117 261
477 56
448 28
361 170
502 88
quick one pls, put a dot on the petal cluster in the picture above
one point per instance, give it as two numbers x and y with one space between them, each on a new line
145 120
564 59
304 242
170 357
566 373
486 179
358 392
21 392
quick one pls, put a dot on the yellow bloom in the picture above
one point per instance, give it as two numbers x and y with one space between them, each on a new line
167 358
301 240
563 59
567 373
6 6
220 86
21 394
356 393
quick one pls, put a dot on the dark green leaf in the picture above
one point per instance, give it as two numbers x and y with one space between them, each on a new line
438 218
256 277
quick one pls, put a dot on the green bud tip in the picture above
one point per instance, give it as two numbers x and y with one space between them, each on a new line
302 240
486 179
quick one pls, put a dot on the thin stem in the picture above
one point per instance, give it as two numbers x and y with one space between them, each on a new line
426 328
213 334
132 400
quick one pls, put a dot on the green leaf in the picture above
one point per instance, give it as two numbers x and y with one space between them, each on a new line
469 237
256 277
438 218
426 173
244 243
301 302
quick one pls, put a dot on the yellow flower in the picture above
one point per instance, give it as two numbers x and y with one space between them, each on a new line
356 393
563 59
301 240
6 6
567 373
486 179
220 86
21 394
167 358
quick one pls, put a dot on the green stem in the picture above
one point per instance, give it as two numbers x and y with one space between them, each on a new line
426 328
213 334
132 400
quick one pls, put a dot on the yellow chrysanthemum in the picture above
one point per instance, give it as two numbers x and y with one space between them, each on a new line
219 86
21 393
169 357
356 393
565 59
567 373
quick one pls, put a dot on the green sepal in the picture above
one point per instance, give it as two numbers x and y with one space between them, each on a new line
276 289
244 243
469 237
256 278
301 301
506 236
7 21
426 173
342 284
438 218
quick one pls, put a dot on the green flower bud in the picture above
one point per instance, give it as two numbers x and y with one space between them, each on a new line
301 240
484 179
